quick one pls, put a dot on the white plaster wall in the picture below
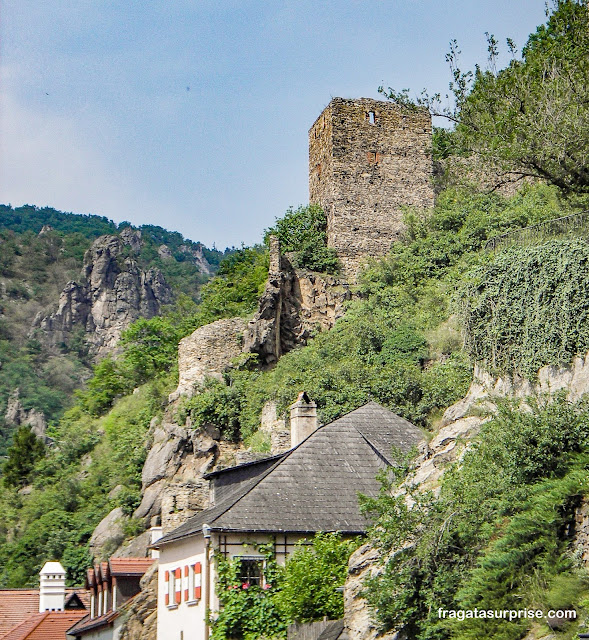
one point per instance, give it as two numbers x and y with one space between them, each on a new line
184 621
187 621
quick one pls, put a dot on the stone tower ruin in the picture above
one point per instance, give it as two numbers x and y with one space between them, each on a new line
367 159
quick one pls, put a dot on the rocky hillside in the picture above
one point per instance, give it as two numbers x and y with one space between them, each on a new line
69 286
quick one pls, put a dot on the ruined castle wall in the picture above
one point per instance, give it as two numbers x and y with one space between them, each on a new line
368 159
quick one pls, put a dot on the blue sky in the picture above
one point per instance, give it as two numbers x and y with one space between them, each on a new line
194 114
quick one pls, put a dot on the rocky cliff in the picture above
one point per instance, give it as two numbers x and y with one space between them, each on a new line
208 352
113 292
295 305
16 415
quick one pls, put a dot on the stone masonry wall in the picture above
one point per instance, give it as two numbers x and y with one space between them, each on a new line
208 351
368 159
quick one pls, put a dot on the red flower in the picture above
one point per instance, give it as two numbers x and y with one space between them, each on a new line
245 585
267 586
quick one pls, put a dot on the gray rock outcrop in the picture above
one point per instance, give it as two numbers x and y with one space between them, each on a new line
16 415
197 256
164 252
109 534
574 378
208 352
113 293
172 482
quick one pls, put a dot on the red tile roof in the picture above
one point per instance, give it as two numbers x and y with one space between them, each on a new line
130 566
18 606
50 625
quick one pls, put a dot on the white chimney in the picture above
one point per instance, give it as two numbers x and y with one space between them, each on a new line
156 532
52 592
303 419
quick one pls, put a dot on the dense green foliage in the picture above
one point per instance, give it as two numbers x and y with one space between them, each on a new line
496 538
303 233
33 219
400 344
528 307
304 590
94 466
25 451
310 578
533 116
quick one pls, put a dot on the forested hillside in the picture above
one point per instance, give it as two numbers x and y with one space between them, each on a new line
41 251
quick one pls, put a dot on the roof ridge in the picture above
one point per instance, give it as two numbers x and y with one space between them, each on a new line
373 447
29 625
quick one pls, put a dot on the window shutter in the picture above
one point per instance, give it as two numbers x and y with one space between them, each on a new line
186 590
197 580
167 580
178 585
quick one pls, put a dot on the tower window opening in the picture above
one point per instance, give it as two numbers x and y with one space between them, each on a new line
371 117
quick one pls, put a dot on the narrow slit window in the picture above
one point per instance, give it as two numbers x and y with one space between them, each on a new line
372 117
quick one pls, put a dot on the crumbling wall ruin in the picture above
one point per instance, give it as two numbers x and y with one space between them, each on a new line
295 304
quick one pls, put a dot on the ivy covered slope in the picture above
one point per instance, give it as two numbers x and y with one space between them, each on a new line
40 251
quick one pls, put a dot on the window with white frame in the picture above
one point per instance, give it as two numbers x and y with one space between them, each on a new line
194 583
173 588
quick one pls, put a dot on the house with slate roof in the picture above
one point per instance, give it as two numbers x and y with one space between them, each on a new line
279 500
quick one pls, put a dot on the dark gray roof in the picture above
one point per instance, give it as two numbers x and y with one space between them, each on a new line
315 486
382 428
244 465
335 631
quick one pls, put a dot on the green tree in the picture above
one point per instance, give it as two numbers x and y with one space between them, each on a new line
303 231
25 451
312 575
531 118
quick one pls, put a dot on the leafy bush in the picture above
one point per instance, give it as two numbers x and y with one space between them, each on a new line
303 232
311 575
304 590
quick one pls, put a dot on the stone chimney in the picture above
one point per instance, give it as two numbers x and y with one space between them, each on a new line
52 592
303 419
